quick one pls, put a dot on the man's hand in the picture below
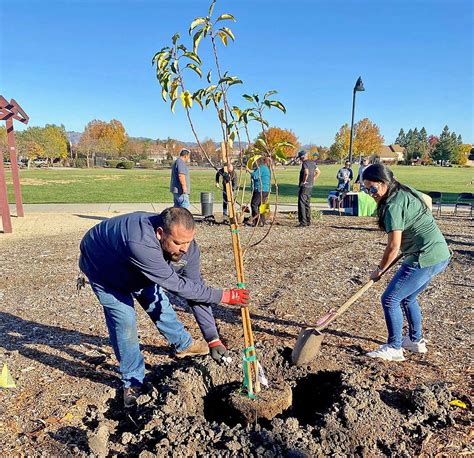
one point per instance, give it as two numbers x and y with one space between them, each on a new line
238 296
218 351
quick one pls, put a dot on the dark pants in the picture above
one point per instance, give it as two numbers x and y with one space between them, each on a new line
304 205
224 203
258 198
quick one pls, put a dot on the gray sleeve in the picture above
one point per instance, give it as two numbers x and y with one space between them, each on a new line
150 261
181 167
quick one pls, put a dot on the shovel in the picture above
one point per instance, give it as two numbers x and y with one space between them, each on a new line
309 341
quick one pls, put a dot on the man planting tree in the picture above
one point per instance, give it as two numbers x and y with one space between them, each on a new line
151 258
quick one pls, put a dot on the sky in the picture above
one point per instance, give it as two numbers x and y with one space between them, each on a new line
71 61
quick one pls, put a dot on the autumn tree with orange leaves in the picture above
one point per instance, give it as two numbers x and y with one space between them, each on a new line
367 140
108 138
276 135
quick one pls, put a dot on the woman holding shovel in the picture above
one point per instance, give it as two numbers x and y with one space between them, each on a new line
411 228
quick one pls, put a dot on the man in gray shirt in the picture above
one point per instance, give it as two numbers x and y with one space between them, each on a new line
180 184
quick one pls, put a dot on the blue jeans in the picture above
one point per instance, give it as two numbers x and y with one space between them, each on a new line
401 293
120 318
181 200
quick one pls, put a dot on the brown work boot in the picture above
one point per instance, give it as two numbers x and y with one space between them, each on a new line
197 348
130 396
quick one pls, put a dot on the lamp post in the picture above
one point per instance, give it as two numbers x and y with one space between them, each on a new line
359 87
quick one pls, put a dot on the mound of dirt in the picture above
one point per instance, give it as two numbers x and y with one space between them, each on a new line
195 408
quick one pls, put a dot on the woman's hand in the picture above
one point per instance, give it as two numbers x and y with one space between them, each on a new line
376 274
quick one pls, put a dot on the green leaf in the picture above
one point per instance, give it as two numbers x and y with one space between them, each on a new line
211 8
224 79
211 88
209 77
173 103
280 155
182 48
199 101
248 97
235 81
196 40
174 66
209 98
269 93
237 111
225 16
221 116
260 143
193 56
277 104
163 94
175 38
228 32
255 96
195 23
223 37
195 68
218 96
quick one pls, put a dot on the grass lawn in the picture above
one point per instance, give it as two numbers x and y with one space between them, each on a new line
115 185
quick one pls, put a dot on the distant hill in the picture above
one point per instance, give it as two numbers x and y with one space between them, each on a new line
74 137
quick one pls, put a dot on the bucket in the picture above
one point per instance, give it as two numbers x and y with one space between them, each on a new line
207 201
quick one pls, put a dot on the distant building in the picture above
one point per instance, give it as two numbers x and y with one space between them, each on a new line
157 153
390 154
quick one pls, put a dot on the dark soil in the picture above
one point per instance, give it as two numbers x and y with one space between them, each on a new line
68 399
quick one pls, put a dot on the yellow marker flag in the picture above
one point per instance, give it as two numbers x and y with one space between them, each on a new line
458 403
6 380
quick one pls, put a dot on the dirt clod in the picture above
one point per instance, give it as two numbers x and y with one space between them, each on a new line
267 404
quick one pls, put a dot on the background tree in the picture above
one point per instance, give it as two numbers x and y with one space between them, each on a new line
401 138
424 147
464 150
107 138
367 138
445 147
276 135
135 149
313 151
32 150
323 152
3 143
209 146
340 148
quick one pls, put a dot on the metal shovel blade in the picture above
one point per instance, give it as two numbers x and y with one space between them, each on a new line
307 346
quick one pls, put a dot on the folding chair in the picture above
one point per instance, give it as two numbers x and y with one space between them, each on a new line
465 199
436 198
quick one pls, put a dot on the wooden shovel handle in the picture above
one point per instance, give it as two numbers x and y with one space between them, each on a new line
356 296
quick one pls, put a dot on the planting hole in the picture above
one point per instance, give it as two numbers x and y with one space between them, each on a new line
314 395
218 408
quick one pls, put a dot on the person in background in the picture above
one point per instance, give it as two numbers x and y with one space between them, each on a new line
260 176
308 174
364 163
152 259
344 177
229 177
411 228
180 184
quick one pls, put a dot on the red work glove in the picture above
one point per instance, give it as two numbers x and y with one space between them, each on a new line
238 296
217 350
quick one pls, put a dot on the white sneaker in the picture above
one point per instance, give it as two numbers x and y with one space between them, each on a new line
415 347
387 353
